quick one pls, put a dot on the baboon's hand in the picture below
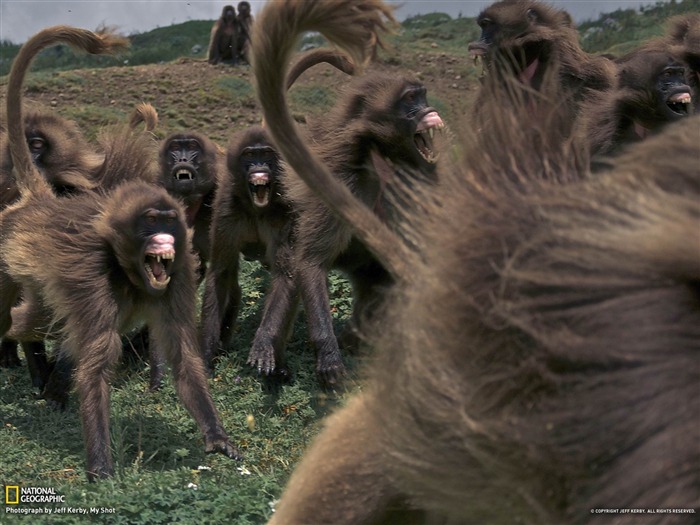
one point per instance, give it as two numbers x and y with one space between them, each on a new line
262 357
222 445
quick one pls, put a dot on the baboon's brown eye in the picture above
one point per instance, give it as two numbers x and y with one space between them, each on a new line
36 144
485 23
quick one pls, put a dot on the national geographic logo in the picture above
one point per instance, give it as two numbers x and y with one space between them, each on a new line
16 495
11 494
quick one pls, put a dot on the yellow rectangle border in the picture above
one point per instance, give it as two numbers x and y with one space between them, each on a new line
7 494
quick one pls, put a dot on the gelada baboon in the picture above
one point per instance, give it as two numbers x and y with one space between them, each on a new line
60 151
530 41
537 361
71 166
116 258
68 163
253 218
116 147
189 164
651 92
382 128
683 39
543 367
244 18
223 41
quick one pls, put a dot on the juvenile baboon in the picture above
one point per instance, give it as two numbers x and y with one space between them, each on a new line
532 41
253 218
117 258
223 41
381 129
244 18
537 360
188 169
651 92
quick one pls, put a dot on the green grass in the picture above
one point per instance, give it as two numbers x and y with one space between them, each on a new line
235 91
156 446
312 100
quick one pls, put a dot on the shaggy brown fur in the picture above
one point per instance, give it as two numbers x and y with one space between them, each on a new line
544 366
251 217
69 164
118 258
59 150
544 362
530 41
145 114
651 92
381 128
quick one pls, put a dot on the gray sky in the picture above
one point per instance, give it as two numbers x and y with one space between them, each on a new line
19 19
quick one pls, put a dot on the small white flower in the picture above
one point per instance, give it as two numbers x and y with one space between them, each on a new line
192 486
203 467
244 471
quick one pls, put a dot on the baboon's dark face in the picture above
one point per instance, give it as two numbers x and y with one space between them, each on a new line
186 172
662 79
694 66
184 160
518 37
155 233
684 34
674 93
145 229
258 166
423 121
403 127
243 9
229 14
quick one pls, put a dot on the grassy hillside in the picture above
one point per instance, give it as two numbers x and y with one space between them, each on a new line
617 31
621 31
